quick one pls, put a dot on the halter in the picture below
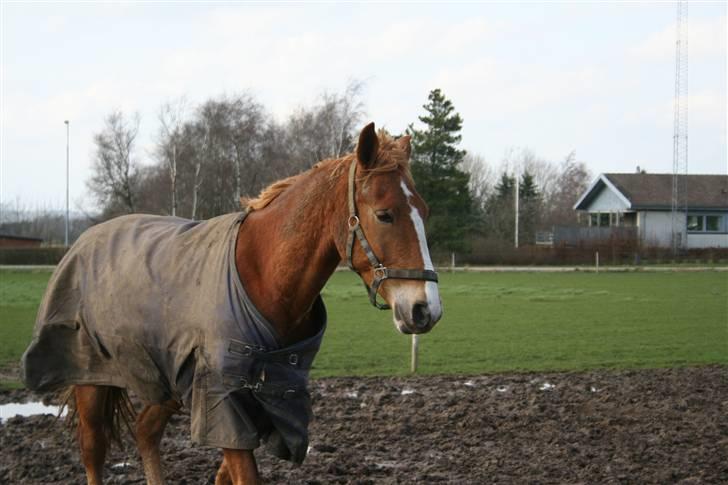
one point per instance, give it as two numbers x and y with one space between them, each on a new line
381 272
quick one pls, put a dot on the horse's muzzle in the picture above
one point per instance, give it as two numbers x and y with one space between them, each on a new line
415 319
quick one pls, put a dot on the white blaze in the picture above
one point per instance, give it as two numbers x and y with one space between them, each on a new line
431 290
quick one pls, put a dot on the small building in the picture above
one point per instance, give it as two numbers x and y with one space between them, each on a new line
644 201
8 241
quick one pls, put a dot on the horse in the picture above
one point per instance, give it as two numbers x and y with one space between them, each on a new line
361 208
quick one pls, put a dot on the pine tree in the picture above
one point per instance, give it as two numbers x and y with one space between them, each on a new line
504 188
436 162
529 204
527 188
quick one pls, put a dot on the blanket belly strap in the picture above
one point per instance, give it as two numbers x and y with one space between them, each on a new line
298 359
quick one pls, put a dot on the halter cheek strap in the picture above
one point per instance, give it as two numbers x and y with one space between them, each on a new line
381 272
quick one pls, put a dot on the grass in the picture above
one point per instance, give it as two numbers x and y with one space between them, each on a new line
20 295
493 322
534 322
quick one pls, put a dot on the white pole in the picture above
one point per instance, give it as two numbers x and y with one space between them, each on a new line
415 349
452 260
597 261
67 177
517 197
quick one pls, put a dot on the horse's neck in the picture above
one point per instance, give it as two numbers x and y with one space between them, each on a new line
286 252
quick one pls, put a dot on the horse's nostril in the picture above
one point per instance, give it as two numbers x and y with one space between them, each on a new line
421 314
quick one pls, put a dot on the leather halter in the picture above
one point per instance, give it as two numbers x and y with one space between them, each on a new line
381 272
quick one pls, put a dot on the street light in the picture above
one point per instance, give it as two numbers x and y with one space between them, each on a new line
67 131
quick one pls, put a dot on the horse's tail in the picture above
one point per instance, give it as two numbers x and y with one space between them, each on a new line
117 411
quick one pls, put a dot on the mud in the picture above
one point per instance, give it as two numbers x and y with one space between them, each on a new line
642 426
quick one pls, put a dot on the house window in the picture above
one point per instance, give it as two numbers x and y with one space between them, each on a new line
705 223
712 223
695 223
604 219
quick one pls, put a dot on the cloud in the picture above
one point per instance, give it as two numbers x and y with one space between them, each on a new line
517 88
706 39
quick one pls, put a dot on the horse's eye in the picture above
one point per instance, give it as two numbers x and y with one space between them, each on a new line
384 217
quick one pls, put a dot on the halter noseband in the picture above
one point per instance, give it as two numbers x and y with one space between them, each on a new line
381 272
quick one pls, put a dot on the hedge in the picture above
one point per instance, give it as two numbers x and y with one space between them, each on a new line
32 256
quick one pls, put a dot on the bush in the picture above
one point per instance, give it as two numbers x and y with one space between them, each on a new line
32 256
615 251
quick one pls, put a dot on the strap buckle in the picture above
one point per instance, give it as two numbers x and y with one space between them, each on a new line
293 359
353 222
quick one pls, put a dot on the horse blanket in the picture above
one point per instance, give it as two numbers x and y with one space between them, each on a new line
155 305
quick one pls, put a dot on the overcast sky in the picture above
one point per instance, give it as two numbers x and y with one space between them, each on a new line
597 78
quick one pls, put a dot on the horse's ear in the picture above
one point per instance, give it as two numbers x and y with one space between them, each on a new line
368 146
404 143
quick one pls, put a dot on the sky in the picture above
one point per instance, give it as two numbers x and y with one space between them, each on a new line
596 78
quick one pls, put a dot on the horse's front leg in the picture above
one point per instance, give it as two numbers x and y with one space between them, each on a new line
238 468
149 430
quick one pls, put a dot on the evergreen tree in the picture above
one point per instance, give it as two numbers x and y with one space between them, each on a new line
504 189
529 206
527 188
436 168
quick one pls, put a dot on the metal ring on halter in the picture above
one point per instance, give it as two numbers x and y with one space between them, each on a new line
380 272
353 222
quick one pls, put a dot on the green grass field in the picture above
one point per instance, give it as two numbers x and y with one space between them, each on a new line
493 322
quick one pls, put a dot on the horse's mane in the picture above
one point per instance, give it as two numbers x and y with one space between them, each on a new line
390 157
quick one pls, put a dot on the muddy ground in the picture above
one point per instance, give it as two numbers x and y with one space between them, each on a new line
643 426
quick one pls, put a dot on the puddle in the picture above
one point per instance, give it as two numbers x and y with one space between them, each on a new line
13 409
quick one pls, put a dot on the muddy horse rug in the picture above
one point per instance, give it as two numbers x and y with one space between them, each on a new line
155 305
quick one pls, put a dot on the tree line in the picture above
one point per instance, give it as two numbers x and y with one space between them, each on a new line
207 156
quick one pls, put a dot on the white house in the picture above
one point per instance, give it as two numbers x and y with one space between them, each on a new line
645 201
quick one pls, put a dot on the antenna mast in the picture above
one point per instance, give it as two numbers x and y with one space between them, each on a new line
680 136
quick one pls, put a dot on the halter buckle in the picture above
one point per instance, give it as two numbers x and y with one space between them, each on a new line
353 222
380 272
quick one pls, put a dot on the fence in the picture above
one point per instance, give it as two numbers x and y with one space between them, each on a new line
581 235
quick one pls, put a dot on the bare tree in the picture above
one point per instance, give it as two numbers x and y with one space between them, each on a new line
328 129
171 119
482 179
340 115
197 180
572 180
115 172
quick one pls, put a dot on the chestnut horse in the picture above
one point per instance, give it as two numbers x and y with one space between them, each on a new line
362 208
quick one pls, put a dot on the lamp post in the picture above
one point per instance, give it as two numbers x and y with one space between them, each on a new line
67 171
518 196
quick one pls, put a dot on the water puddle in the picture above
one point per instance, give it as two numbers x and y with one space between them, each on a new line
13 409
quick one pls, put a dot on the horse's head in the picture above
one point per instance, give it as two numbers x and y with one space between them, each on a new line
387 244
